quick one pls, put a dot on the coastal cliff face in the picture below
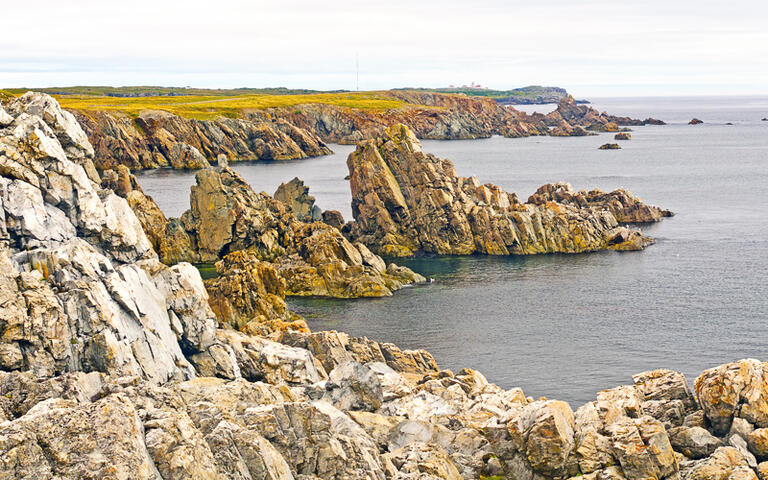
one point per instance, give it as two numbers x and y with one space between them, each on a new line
405 201
160 139
226 216
114 366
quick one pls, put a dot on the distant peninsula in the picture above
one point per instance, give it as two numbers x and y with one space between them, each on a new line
530 95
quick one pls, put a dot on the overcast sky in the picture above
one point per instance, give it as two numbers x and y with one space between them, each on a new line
590 47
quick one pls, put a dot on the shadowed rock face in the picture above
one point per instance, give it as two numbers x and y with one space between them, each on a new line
85 288
160 139
405 201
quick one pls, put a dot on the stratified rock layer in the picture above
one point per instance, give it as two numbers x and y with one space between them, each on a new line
405 201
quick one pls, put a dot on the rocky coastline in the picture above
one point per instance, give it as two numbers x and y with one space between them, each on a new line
115 365
159 139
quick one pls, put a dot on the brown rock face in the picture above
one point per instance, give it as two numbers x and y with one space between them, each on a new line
249 295
405 201
295 195
159 139
621 203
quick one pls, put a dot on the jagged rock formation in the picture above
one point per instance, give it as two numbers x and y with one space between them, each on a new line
573 114
621 203
227 216
405 201
112 366
160 139
295 195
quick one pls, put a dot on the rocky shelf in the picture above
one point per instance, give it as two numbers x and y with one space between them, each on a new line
114 365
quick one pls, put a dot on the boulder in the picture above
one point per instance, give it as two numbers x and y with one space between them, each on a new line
622 136
734 389
719 466
695 121
758 443
694 442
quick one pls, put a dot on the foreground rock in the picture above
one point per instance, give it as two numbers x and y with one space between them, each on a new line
405 202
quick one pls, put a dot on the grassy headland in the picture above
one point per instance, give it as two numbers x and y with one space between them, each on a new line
203 107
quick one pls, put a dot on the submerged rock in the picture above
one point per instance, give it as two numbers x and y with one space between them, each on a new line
406 202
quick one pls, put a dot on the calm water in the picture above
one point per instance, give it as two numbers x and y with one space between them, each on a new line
566 326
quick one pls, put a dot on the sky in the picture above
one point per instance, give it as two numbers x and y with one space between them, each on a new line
590 47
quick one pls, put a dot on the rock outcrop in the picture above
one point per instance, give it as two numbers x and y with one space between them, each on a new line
695 121
623 136
405 201
610 146
625 207
226 216
160 139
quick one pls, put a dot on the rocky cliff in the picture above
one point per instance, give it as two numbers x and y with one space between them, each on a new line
160 139
405 201
114 366
227 216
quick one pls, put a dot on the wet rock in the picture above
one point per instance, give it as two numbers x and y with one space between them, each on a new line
610 146
622 136
695 121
